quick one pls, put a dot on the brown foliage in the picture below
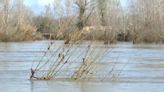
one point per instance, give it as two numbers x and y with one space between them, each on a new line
26 33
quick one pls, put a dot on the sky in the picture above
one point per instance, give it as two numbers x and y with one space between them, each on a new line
38 2
38 5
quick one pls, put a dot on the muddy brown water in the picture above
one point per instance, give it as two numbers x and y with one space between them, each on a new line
142 69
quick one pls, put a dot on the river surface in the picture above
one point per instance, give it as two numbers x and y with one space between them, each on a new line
142 69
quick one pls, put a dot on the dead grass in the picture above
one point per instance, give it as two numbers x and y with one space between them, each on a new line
21 33
3 36
71 61
93 33
149 36
25 33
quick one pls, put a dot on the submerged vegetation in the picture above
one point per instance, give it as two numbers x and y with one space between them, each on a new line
80 61
77 22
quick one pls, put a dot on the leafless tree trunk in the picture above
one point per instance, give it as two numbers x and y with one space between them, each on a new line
102 7
6 7
83 6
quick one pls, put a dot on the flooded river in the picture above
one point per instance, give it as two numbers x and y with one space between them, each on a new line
142 69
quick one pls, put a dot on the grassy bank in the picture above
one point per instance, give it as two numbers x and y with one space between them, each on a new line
30 33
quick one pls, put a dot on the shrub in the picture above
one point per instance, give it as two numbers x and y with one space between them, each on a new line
149 36
2 36
25 33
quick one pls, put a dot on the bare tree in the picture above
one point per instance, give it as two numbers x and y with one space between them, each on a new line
102 7
5 17
83 6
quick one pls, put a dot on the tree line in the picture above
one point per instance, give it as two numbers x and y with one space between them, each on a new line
72 20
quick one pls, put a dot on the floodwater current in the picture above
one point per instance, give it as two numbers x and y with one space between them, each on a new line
142 69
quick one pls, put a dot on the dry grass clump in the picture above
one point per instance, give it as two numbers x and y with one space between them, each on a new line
90 64
3 36
100 33
57 35
26 33
74 37
93 33
70 61
149 36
